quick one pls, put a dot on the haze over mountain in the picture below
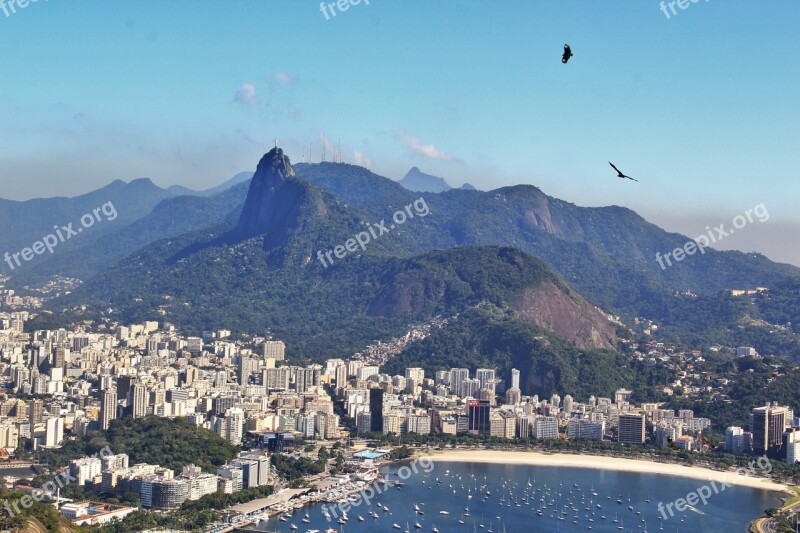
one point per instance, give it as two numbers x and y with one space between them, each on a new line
28 221
418 181
241 177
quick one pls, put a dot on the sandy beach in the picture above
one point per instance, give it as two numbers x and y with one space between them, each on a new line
605 463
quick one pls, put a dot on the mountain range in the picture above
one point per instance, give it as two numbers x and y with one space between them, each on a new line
417 181
512 263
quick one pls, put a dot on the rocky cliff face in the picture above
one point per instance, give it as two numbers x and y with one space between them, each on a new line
568 315
275 201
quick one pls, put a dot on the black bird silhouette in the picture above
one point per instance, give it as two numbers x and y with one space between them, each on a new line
619 172
567 54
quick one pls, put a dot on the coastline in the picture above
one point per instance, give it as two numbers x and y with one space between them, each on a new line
596 462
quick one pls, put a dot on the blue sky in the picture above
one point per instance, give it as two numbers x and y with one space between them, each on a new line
701 107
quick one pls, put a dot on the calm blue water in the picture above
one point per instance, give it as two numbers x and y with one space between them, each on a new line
728 511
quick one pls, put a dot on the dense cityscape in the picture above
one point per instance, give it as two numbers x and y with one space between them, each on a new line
476 266
66 384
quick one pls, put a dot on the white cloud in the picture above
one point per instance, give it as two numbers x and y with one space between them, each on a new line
361 159
428 151
284 79
246 95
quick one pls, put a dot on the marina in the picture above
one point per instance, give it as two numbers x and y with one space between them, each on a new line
487 498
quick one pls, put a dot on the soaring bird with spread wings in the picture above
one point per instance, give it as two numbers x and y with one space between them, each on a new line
619 172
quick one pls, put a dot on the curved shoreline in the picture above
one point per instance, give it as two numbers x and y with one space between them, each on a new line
596 462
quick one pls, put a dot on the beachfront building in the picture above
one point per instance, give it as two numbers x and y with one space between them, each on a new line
546 427
767 425
583 428
631 428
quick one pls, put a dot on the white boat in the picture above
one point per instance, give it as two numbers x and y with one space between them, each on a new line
396 526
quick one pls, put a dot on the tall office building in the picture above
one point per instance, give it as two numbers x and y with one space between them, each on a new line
514 378
767 425
376 410
631 428
139 401
36 410
478 411
124 384
59 356
108 408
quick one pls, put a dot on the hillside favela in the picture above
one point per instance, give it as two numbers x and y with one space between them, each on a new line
368 266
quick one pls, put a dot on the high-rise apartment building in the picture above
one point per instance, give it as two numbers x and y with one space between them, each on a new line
108 408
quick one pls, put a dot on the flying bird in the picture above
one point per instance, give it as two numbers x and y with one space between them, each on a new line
619 172
567 54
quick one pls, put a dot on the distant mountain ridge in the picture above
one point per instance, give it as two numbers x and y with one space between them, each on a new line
180 190
417 181
24 222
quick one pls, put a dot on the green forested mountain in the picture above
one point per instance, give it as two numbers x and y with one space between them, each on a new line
489 337
256 267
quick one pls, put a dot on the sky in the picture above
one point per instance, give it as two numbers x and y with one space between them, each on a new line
700 106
